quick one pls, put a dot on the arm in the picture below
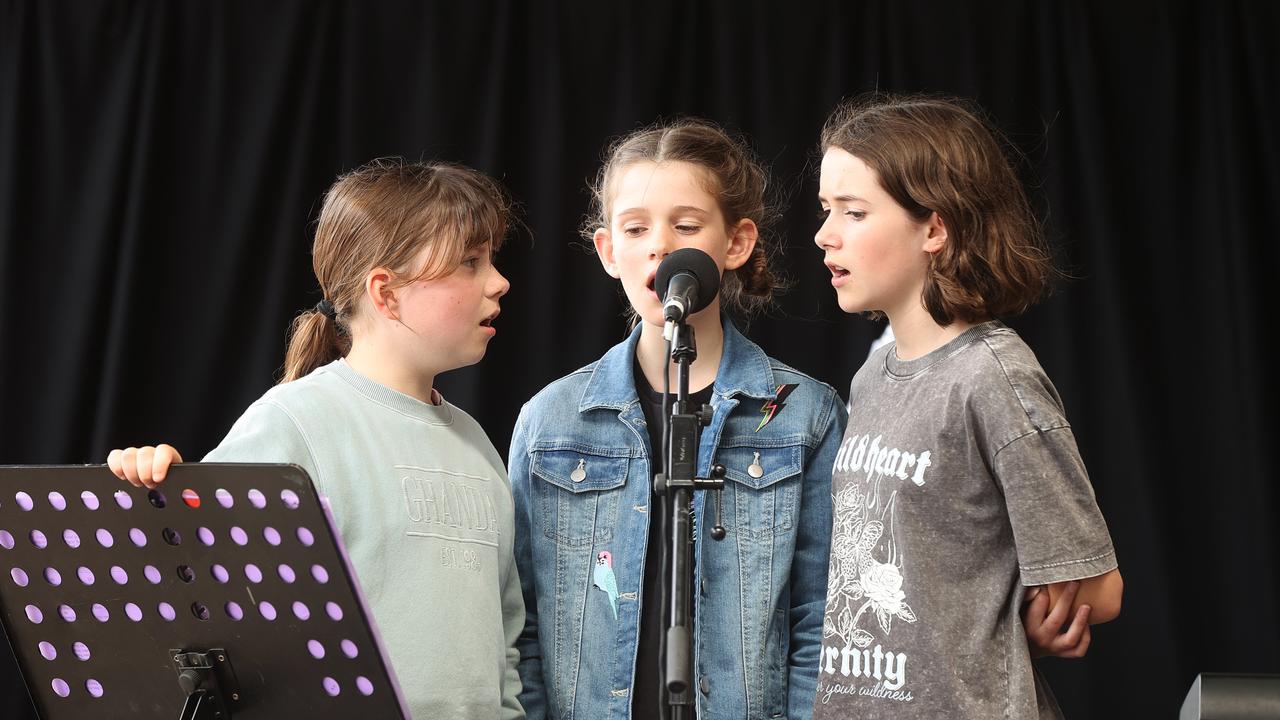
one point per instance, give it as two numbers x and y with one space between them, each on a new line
512 625
1101 594
533 692
809 567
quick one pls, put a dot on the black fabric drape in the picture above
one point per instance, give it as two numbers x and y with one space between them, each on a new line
161 163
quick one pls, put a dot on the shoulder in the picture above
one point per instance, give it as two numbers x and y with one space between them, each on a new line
471 433
1002 370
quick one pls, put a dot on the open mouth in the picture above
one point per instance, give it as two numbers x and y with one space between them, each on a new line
650 282
488 321
837 272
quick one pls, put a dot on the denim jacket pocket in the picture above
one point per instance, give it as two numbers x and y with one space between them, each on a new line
765 486
578 494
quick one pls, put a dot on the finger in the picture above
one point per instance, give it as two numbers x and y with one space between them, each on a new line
129 464
1034 614
1079 625
1032 593
1080 650
1061 609
145 456
113 462
165 456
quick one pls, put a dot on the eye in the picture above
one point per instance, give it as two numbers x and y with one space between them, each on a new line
824 213
472 262
633 231
856 214
688 229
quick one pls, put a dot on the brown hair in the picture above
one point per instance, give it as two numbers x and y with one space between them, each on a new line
734 177
936 155
382 215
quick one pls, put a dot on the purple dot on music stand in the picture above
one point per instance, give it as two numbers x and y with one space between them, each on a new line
24 501
81 651
124 500
333 610
6 540
85 575
364 686
48 650
186 574
267 609
19 577
320 574
331 687
286 573
57 500
61 687
271 535
52 576
152 574
171 536
166 611
95 688
313 646
157 499
305 537
71 538
34 614
220 573
239 536
39 540
89 499
67 613
205 535
133 611
138 537
119 575
301 611
349 649
252 572
100 612
289 498
257 499
224 498
234 611
200 610
104 538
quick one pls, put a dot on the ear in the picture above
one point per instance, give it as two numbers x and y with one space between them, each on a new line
935 237
603 240
380 294
742 242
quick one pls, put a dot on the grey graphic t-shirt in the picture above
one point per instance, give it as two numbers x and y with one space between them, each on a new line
957 484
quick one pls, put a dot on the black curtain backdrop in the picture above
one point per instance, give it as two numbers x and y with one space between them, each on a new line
161 165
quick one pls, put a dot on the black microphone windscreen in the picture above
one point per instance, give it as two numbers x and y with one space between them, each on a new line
696 263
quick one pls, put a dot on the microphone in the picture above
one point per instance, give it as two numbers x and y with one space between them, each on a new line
687 281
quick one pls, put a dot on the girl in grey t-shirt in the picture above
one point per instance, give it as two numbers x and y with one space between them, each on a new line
958 486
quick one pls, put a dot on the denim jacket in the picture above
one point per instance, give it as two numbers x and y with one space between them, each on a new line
760 591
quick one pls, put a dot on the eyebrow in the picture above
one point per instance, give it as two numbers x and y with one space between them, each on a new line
678 210
845 198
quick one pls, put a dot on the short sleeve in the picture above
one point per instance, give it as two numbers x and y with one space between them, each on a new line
1058 530
267 433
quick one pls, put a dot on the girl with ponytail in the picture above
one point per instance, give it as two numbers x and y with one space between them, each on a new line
584 453
403 255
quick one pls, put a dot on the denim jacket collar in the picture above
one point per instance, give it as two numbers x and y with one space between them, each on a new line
744 370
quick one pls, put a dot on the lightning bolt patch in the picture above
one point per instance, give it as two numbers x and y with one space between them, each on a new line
771 408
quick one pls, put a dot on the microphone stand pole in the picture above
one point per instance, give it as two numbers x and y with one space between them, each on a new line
677 482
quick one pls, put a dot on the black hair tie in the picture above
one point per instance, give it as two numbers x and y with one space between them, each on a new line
325 308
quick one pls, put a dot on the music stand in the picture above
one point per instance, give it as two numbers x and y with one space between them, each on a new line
225 593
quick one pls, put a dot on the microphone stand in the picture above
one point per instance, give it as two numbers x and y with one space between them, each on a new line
681 431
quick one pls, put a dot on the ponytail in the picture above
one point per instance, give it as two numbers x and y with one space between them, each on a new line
315 339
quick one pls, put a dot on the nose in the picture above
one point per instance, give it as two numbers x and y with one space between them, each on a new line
824 238
661 242
498 285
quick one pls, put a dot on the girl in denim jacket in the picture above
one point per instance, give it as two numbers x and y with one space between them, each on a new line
582 464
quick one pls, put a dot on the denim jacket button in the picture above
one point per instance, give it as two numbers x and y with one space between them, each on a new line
704 685
579 473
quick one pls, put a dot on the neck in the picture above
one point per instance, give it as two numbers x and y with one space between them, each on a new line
382 365
917 334
708 335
